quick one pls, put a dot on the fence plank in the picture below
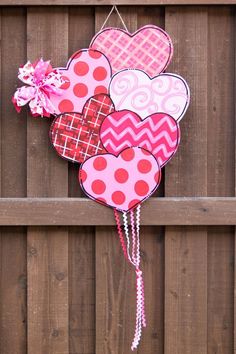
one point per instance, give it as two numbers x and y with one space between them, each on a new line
234 259
13 184
221 138
185 266
47 31
81 239
152 243
115 307
78 211
114 2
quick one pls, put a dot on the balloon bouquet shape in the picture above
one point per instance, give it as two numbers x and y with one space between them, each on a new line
117 114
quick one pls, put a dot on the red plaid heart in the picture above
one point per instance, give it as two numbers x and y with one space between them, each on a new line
75 136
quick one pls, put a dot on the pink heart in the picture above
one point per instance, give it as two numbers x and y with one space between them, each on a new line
136 91
159 133
121 182
149 48
88 73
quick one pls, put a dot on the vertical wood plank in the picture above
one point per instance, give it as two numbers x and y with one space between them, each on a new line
81 239
152 242
235 195
13 184
186 175
81 31
115 282
47 30
221 138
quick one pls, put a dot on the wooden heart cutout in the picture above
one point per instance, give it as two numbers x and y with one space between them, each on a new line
88 73
159 133
149 48
121 182
136 91
75 136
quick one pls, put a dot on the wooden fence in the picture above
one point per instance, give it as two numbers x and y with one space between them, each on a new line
64 285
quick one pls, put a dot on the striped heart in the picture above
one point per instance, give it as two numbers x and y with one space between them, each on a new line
159 133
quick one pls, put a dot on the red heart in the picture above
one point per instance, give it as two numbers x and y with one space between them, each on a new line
75 136
159 133
123 181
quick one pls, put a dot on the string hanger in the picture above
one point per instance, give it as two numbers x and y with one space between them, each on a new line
114 8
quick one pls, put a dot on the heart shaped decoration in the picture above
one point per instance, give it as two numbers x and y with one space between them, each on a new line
75 136
121 182
149 49
158 133
88 72
136 91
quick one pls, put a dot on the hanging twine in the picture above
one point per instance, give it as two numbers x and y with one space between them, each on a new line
114 8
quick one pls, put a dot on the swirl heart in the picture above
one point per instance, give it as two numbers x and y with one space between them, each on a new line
121 182
136 91
159 133
75 136
149 49
88 72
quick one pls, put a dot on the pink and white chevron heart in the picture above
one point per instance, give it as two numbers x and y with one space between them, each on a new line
149 48
159 133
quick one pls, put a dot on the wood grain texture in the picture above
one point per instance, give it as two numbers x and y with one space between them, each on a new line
47 31
82 290
186 175
13 184
234 260
81 239
115 285
189 272
152 242
81 211
220 176
115 295
113 2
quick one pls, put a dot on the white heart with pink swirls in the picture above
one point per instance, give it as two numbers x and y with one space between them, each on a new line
134 90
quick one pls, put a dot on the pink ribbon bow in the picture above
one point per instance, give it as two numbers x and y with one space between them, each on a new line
42 81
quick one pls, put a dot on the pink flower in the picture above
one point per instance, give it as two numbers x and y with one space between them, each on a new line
41 81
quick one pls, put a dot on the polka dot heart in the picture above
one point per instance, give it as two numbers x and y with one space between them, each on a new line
121 182
88 73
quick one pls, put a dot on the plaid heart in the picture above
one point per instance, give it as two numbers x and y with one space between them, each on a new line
75 136
149 48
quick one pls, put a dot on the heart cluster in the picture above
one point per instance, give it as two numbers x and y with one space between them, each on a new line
116 112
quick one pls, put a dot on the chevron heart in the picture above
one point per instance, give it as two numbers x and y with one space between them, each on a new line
159 133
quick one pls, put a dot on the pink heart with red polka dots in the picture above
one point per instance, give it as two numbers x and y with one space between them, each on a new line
88 73
121 182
